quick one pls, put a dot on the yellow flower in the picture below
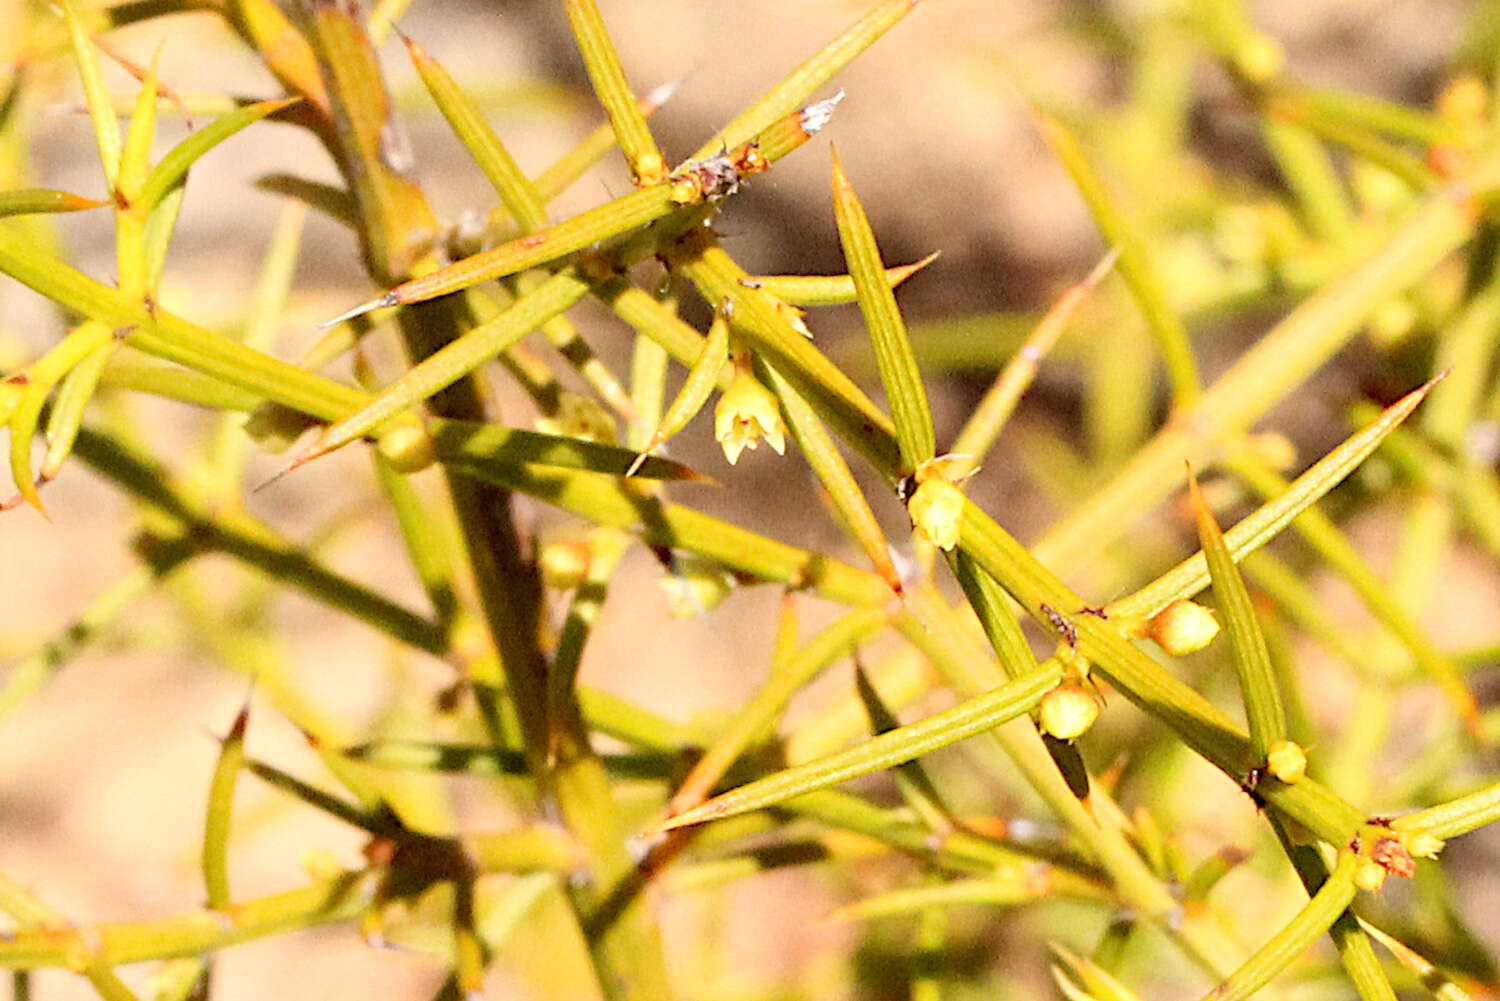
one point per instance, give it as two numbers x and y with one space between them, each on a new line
746 413
1369 875
1183 627
407 446
1286 760
1068 711
936 509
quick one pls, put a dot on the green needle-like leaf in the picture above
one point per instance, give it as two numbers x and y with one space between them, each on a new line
976 715
613 91
68 407
30 672
1358 140
1435 980
1355 950
833 472
1201 881
1325 538
606 548
170 170
331 200
252 543
480 140
470 445
620 216
216 827
1251 532
1141 679
1295 937
1313 178
1011 885
1252 662
607 500
101 107
829 290
1280 360
1097 984
573 164
26 201
446 366
168 336
135 156
912 781
699 385
130 370
338 899
376 823
35 383
1368 111
1457 817
988 418
898 366
488 762
651 318
836 641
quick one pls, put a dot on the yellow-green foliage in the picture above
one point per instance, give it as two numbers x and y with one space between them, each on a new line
524 826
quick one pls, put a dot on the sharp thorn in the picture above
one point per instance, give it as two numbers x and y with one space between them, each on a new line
296 463
379 302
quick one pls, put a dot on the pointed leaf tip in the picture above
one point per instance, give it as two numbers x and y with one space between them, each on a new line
905 271
414 50
241 722
383 301
287 470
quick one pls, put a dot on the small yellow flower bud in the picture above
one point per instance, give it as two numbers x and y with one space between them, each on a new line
746 413
650 169
686 190
407 447
1286 761
1068 711
1369 875
1424 845
937 509
1183 627
565 562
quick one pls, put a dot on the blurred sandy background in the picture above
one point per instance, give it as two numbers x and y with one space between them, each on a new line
102 778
